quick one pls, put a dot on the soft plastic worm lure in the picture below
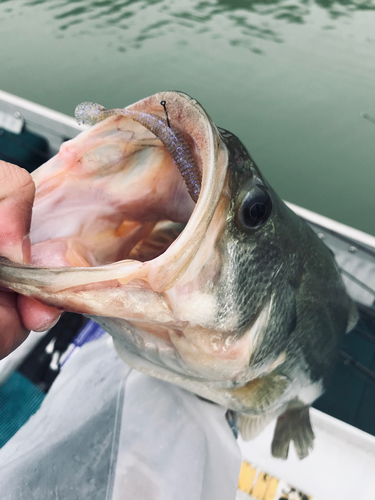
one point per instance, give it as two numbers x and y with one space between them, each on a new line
90 113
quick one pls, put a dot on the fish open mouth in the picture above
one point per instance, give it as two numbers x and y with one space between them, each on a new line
120 196
123 230
123 192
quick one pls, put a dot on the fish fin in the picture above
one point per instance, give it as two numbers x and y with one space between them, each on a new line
252 425
261 393
293 425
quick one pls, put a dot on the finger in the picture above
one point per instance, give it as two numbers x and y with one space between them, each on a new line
17 191
36 316
12 332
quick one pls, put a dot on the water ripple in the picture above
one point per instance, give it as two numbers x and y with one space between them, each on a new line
74 12
238 22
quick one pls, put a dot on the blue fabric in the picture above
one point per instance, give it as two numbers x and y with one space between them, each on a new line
91 331
19 399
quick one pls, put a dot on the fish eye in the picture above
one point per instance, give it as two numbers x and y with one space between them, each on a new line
255 208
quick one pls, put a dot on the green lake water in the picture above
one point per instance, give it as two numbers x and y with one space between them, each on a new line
290 78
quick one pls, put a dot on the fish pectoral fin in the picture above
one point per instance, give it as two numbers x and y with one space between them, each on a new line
293 425
260 394
252 425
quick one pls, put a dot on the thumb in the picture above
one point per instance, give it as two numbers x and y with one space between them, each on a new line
17 191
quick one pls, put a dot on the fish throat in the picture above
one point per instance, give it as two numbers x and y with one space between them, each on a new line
128 198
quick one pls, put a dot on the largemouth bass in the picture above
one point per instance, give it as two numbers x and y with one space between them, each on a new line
161 228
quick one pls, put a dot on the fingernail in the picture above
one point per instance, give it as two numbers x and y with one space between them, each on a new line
13 252
46 326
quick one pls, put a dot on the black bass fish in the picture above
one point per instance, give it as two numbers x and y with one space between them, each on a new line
161 228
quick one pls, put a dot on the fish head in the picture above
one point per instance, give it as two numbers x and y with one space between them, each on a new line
239 294
200 290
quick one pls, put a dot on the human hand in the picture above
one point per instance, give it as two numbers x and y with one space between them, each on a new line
18 314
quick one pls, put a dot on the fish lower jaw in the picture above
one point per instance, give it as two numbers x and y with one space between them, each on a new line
168 348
